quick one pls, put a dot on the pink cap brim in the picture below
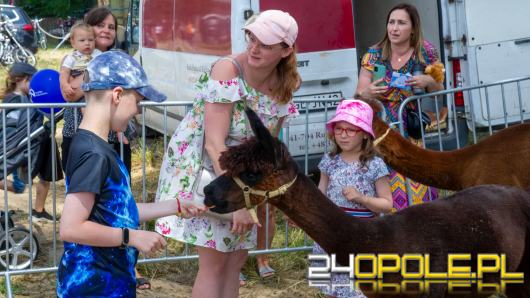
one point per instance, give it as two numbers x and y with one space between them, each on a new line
260 30
347 118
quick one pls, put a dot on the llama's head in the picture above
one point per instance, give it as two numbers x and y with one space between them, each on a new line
260 166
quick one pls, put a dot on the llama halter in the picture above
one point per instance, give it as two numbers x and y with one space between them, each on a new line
381 138
247 191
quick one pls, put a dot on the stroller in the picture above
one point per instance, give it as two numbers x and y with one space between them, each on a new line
17 248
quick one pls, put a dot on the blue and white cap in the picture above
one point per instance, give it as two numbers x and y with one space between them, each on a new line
117 69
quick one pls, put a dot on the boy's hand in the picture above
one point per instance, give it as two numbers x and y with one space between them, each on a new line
146 241
190 209
352 194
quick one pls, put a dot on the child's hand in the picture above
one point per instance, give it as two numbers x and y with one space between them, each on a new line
190 209
146 241
352 194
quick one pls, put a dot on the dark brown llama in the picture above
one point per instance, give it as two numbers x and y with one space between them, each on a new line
483 219
502 158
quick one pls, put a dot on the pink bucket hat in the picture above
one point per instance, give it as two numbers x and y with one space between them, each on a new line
274 26
355 112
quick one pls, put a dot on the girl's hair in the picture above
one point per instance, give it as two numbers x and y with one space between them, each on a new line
80 26
367 148
288 78
97 15
416 38
11 83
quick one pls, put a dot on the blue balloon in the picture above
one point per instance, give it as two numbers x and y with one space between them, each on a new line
44 87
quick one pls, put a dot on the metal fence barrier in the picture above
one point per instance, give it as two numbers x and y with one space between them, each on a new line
305 137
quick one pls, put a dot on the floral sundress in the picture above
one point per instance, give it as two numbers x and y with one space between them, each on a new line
183 159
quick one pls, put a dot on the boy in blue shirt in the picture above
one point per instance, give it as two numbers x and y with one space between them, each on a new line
100 219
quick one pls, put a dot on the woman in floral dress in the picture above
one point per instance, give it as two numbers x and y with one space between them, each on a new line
265 77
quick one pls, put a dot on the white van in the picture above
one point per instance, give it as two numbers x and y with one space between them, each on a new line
479 40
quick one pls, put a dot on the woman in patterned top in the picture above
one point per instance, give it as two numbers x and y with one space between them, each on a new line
264 77
399 51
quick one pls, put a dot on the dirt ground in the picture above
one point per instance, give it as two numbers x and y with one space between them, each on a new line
172 279
168 279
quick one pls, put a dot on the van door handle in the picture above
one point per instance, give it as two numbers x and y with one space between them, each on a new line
521 41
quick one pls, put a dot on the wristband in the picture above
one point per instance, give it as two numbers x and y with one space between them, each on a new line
179 210
124 237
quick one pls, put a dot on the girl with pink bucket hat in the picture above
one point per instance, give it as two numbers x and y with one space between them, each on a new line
352 176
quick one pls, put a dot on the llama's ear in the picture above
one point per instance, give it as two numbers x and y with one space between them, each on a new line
261 132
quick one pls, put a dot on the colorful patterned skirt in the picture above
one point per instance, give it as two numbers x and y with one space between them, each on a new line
419 193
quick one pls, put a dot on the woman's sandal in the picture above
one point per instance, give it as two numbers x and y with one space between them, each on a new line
266 271
143 283
242 280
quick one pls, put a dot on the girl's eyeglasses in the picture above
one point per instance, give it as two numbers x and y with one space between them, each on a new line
350 132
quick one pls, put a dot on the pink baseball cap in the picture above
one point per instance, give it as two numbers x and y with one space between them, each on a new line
355 112
274 26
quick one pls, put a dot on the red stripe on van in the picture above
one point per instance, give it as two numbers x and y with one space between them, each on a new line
322 25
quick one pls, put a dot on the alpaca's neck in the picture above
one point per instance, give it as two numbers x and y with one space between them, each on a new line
439 169
334 230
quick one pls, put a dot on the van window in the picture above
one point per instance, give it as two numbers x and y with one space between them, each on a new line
320 27
198 26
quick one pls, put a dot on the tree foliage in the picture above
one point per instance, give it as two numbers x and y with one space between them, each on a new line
55 8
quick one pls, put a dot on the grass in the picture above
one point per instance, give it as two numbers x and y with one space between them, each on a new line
15 288
45 59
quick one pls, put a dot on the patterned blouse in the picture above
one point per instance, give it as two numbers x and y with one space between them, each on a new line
393 94
342 174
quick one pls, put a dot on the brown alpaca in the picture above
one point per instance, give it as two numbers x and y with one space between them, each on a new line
483 219
503 158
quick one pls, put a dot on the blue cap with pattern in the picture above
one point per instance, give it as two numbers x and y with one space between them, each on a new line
117 69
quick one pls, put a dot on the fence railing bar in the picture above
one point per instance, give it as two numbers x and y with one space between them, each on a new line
54 189
6 207
30 193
